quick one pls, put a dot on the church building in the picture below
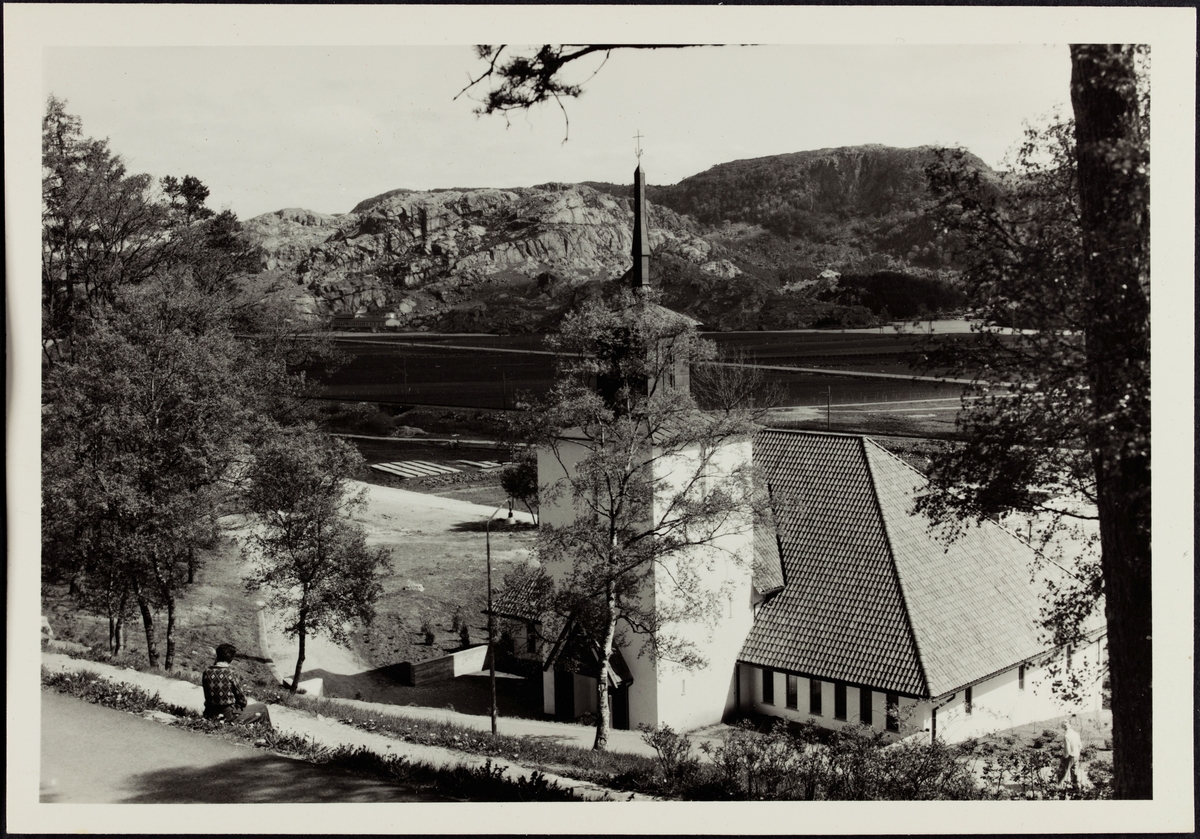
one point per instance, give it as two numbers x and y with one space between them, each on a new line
841 606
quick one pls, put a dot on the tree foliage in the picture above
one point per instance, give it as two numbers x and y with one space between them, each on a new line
152 392
520 80
140 429
520 481
641 469
1063 407
308 555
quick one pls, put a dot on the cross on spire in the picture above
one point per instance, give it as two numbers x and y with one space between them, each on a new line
638 137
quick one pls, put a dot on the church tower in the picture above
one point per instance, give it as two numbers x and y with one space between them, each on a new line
643 369
640 276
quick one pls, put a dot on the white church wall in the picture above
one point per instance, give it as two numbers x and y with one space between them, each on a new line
693 698
663 692
1002 702
548 704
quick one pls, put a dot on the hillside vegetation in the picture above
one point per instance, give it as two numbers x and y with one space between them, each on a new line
745 245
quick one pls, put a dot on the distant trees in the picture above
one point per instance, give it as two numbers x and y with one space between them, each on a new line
900 295
307 553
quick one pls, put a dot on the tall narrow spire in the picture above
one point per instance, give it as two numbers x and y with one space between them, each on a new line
640 278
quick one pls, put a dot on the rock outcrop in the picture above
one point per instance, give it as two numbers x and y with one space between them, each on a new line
515 259
418 256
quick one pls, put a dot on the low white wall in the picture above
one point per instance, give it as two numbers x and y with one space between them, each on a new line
910 711
997 703
1000 702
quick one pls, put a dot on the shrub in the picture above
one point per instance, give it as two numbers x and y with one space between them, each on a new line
763 766
456 620
676 762
427 631
1099 774
464 635
101 691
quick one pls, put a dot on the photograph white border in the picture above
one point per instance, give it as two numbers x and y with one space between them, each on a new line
30 28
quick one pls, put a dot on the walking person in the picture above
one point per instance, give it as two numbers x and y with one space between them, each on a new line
223 696
1072 748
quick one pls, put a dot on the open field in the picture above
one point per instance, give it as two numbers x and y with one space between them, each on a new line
439 567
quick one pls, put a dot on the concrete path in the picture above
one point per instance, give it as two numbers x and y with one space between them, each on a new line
582 736
331 733
96 755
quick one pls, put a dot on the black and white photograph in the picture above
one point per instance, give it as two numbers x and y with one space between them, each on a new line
750 404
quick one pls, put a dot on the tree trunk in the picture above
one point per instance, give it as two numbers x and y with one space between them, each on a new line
300 655
1114 202
170 659
191 565
610 631
119 635
112 635
148 625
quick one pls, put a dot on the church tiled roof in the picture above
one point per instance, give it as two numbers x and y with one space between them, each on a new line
521 601
768 572
871 596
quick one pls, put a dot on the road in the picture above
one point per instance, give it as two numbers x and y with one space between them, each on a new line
95 755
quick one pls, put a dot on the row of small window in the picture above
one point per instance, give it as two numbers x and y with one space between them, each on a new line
865 699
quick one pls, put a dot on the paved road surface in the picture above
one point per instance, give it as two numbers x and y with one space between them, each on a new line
96 755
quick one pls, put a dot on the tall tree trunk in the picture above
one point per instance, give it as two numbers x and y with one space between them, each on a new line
170 659
148 625
191 564
300 655
119 635
606 649
1113 163
112 635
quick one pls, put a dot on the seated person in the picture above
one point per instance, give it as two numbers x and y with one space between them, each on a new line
223 697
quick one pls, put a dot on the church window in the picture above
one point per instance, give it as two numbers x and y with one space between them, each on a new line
792 690
839 701
864 706
893 712
814 696
768 686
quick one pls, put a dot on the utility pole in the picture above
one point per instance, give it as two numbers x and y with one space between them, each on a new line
487 535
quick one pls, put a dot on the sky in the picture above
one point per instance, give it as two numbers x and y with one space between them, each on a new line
325 127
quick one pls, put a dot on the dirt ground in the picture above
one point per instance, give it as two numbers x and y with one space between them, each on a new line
439 555
438 546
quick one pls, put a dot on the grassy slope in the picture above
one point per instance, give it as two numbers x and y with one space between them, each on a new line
214 610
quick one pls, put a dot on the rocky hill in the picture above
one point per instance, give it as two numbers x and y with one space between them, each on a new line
467 258
724 240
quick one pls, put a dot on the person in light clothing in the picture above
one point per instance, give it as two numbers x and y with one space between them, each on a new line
1072 747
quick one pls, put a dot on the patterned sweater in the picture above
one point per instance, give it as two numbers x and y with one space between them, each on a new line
221 690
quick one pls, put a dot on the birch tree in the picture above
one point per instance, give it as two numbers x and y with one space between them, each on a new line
307 554
640 465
